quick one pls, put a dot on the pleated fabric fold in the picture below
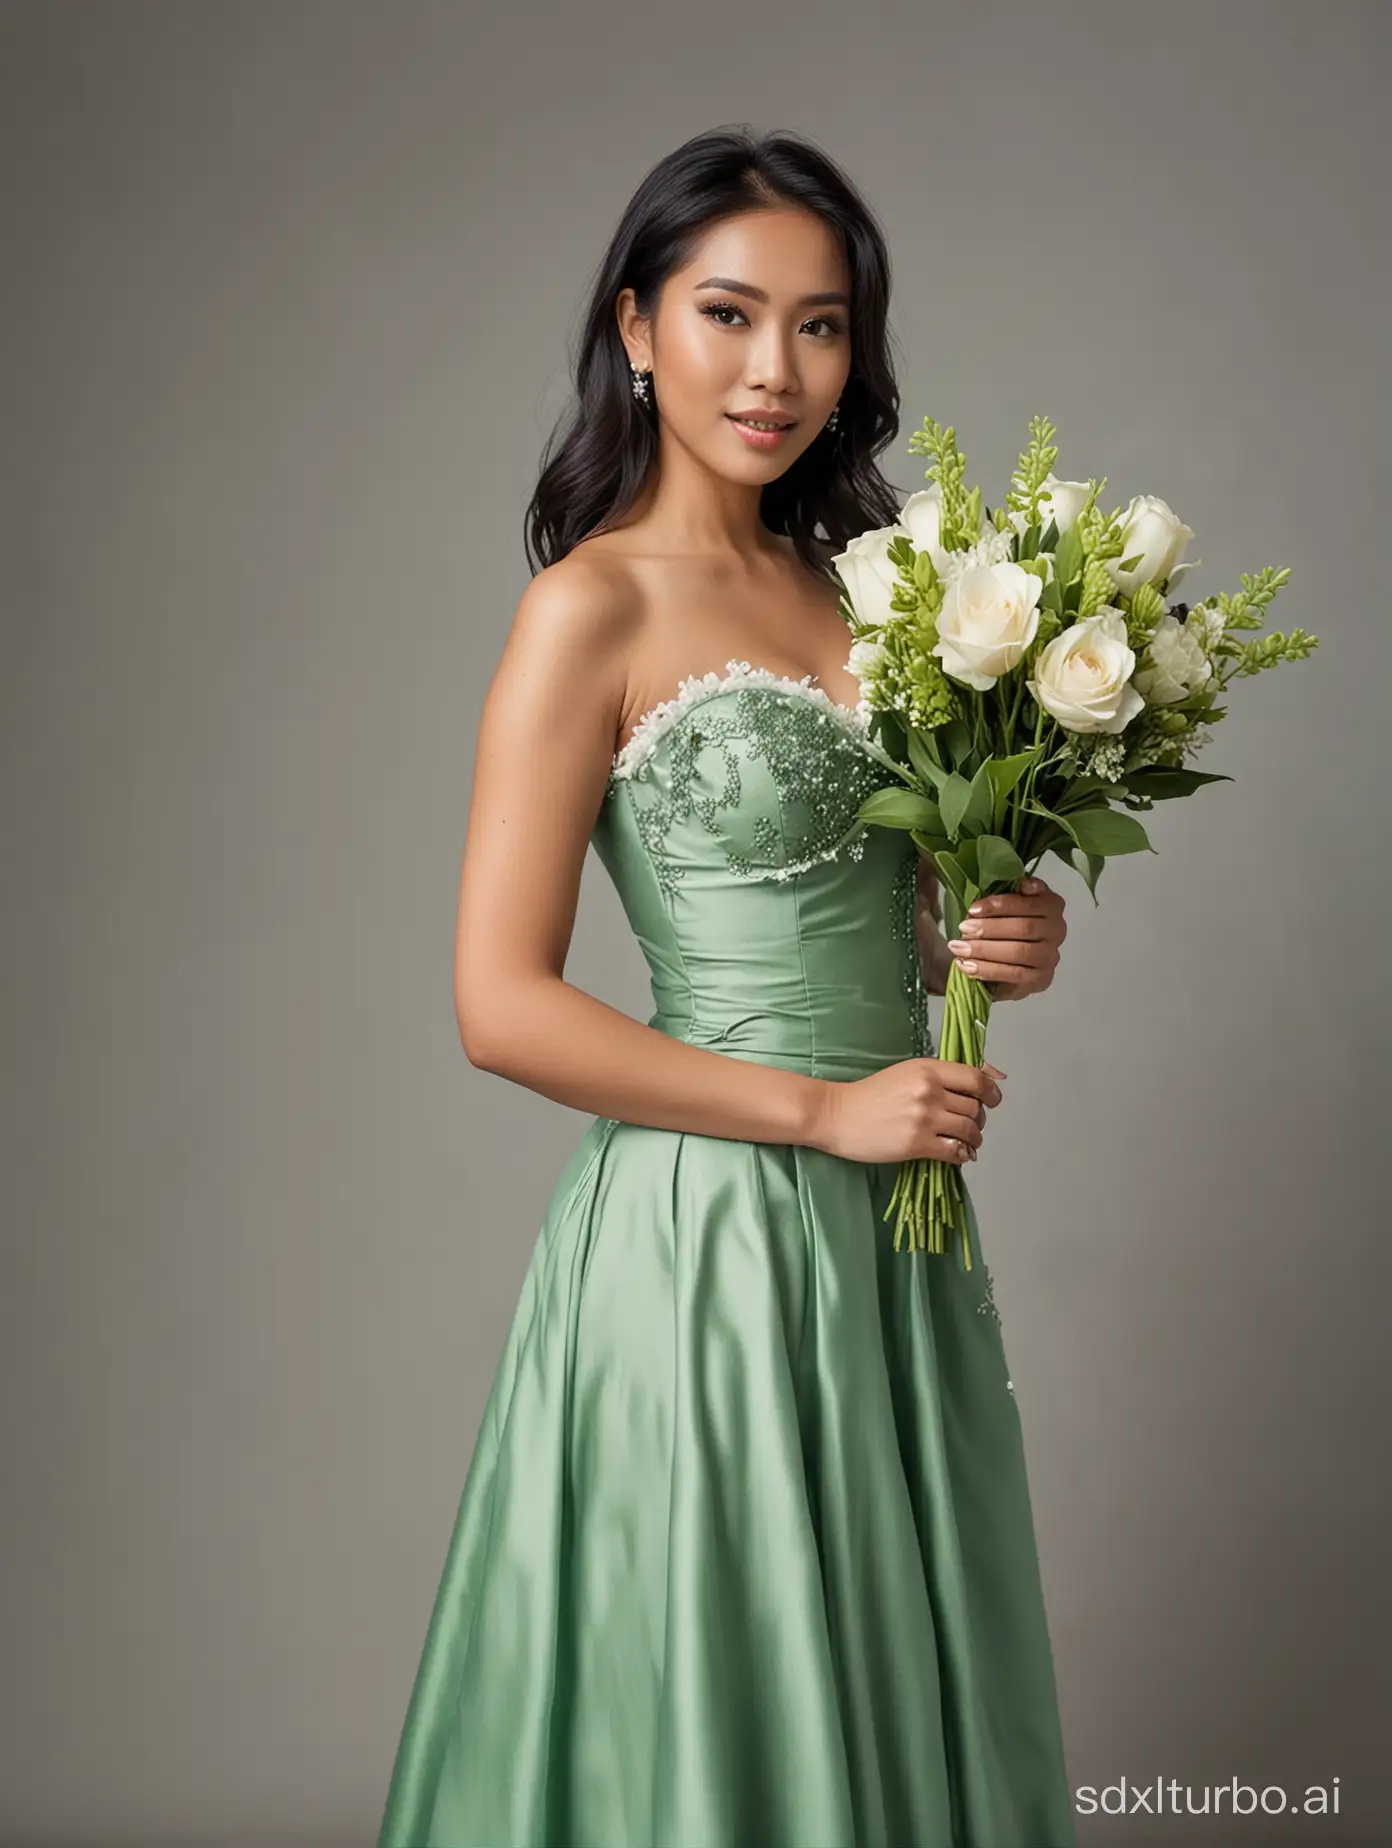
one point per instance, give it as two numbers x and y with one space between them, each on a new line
745 1552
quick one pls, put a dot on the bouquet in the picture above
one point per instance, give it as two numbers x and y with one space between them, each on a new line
1034 688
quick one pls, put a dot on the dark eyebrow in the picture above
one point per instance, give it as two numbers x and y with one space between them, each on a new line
758 295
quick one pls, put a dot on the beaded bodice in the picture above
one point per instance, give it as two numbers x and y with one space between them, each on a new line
776 926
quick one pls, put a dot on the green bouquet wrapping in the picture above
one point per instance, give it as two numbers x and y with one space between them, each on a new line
1027 678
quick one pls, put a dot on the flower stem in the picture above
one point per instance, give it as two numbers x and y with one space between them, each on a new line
928 1194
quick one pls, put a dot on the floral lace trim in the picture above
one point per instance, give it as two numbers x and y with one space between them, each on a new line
693 688
855 847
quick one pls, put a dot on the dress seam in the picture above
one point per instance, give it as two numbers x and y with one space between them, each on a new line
665 901
809 1013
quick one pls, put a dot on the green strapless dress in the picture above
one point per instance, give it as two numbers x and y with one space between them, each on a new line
745 1556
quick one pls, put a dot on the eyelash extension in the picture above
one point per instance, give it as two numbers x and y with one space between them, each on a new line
713 308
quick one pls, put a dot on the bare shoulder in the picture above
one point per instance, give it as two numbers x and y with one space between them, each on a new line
573 632
562 675
585 603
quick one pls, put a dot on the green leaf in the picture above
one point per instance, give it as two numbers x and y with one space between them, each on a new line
1051 598
1068 557
1098 830
981 803
957 741
1048 539
997 862
1036 807
891 731
900 808
1105 831
1089 865
954 879
1163 781
953 798
921 757
1005 773
1097 798
930 844
1083 792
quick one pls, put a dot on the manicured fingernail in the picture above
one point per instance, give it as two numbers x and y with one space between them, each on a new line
966 962
1031 885
957 944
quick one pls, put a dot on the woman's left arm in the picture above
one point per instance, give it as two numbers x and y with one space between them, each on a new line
1010 940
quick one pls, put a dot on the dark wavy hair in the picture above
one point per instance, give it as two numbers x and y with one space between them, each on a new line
599 455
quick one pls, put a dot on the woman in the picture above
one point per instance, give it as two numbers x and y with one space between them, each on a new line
745 1551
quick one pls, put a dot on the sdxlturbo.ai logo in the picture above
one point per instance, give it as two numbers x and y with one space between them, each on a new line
1168 1797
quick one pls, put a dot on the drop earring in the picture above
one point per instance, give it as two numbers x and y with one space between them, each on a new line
640 383
835 413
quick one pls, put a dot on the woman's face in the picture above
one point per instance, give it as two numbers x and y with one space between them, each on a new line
758 322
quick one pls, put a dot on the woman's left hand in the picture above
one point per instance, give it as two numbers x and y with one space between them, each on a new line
1011 940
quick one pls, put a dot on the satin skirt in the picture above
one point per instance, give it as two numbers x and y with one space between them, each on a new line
744 1557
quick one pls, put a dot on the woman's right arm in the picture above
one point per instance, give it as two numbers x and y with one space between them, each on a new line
541 767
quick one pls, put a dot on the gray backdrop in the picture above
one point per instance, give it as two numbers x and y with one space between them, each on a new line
287 290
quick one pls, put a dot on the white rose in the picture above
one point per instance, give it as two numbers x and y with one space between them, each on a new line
1063 501
989 617
1174 664
1152 528
1178 574
870 574
1082 676
921 518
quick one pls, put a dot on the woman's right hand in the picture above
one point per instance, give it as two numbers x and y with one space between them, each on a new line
928 1107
